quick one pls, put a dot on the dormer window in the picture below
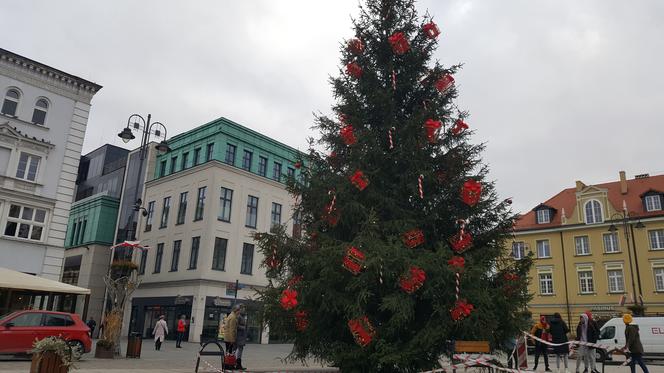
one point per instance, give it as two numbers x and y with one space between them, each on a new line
653 202
543 216
593 211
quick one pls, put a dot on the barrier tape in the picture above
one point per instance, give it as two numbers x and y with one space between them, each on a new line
212 368
608 349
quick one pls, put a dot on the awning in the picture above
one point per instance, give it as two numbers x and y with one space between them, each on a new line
17 280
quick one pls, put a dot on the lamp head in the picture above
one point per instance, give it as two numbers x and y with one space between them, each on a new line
640 225
163 147
126 135
612 228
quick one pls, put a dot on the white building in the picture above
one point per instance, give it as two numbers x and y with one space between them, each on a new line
43 118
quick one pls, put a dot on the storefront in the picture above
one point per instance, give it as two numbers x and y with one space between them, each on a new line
216 308
145 313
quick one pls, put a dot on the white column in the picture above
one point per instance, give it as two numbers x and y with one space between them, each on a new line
198 315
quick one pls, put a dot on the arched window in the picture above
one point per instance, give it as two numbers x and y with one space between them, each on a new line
39 114
593 212
11 101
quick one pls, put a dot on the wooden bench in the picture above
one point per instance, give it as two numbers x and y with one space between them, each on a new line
471 347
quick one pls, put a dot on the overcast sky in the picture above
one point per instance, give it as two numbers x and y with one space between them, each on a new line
560 90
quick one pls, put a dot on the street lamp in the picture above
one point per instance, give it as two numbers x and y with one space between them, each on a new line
624 218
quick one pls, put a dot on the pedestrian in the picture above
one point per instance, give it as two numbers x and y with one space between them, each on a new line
559 329
182 326
160 332
230 332
593 336
633 344
541 330
582 336
92 324
241 339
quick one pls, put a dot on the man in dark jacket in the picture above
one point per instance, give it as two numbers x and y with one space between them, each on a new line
559 330
633 344
593 336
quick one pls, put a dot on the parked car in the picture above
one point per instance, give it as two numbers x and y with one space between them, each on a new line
651 331
18 330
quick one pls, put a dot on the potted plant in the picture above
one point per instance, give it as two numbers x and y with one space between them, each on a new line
105 348
53 355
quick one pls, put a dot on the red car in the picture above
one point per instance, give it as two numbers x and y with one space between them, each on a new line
18 330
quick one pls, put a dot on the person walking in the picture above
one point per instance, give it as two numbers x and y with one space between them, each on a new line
241 339
633 344
559 329
160 332
230 332
541 330
92 324
593 336
582 336
182 327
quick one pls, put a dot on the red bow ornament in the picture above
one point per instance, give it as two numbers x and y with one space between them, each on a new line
298 164
444 83
354 70
413 281
399 43
413 238
353 260
461 241
432 126
288 299
461 310
471 192
301 320
459 126
347 135
431 30
457 262
355 46
362 330
359 180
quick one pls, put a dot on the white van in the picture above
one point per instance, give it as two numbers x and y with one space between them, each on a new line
651 330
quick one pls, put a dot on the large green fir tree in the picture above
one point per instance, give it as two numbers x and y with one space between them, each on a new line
393 203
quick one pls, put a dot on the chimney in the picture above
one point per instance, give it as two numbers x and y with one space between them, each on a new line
580 185
623 183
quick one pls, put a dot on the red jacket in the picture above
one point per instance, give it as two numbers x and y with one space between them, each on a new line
182 325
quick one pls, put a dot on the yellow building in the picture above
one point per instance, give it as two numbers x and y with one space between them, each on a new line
595 245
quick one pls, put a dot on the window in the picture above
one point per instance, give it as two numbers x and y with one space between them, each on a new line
193 256
659 278
144 260
164 212
611 243
262 166
543 216
290 172
219 254
656 239
653 202
148 219
247 259
39 113
543 249
297 224
252 212
546 283
197 156
275 216
162 168
28 319
518 250
616 282
26 222
11 102
608 332
209 152
593 212
225 203
582 245
72 239
182 208
185 159
230 154
51 319
157 258
246 160
28 165
586 282
174 162
200 203
176 255
276 171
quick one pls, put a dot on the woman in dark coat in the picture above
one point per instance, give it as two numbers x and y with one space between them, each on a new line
559 330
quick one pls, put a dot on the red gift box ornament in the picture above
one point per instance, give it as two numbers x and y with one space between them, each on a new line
288 299
359 180
347 135
461 241
413 238
471 192
432 126
431 30
399 43
457 262
444 83
353 260
459 126
355 46
362 330
461 310
413 281
301 320
354 70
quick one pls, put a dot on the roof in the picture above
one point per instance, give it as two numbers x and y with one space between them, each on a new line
10 279
566 200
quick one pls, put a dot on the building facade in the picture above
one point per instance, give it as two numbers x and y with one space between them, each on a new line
597 248
43 119
220 183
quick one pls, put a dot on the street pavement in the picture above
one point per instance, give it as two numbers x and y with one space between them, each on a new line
257 358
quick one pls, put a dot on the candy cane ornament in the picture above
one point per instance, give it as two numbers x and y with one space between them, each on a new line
419 185
390 133
457 277
334 200
394 81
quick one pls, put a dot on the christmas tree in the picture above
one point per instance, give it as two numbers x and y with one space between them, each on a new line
403 237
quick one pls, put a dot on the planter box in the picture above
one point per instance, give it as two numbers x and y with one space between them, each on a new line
102 352
47 362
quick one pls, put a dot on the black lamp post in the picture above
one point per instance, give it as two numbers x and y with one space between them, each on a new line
624 218
146 129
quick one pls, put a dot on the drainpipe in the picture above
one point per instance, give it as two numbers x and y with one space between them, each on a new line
636 262
569 313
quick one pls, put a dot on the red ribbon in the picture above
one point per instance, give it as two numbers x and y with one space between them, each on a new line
354 70
457 262
461 309
459 126
348 135
359 180
399 43
414 280
288 299
431 30
432 126
471 192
